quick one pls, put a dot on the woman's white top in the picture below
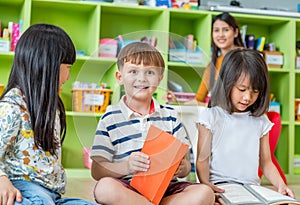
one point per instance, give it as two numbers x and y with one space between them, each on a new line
235 144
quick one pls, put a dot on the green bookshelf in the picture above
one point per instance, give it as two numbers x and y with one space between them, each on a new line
87 22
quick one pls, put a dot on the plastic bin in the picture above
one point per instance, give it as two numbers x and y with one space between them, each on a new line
90 100
178 54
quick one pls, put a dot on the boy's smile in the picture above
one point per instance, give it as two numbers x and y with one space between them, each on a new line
140 82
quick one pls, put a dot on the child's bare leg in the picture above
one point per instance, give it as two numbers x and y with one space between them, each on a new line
109 191
197 194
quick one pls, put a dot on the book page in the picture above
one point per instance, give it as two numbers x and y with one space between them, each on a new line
270 195
238 194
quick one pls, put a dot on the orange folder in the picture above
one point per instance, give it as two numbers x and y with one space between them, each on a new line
165 152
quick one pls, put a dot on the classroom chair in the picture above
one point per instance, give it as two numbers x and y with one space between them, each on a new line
273 138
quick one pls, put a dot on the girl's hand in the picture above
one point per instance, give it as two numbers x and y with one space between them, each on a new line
169 97
216 188
138 162
286 191
8 193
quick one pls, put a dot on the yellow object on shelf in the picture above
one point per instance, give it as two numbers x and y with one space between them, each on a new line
90 100
297 109
1 89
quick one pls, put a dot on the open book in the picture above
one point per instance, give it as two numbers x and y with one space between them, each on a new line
252 194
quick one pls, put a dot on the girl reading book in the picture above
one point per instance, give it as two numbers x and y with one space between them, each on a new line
233 137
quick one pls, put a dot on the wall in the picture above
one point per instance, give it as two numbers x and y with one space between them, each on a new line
290 5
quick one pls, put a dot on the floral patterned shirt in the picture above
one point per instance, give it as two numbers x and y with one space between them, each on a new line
20 158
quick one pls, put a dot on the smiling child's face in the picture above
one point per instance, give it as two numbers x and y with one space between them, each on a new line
140 82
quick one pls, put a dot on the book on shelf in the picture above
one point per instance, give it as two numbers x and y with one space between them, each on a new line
243 34
165 152
250 41
260 43
238 194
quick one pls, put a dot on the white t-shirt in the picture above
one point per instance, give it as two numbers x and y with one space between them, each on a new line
235 144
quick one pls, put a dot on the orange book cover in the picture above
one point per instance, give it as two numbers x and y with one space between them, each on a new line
165 152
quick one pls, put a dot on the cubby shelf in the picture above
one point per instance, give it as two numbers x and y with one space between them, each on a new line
87 22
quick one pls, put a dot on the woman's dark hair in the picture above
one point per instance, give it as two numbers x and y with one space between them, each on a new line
242 62
231 21
40 51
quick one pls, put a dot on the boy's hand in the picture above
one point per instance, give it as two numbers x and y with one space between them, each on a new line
138 162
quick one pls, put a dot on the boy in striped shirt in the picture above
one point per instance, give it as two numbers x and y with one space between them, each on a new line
121 132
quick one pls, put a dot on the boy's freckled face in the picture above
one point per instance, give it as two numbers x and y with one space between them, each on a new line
139 81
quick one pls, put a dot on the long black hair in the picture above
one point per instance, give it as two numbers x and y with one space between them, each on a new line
242 62
40 51
231 21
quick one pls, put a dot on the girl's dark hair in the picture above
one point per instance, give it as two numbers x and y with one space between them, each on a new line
231 21
35 71
237 63
139 52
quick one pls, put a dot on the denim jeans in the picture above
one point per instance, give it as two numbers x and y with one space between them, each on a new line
34 194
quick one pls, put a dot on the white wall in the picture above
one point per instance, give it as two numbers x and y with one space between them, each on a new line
290 5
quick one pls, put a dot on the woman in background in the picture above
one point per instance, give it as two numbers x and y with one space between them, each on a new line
225 37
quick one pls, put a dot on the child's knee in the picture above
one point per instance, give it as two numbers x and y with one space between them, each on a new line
106 187
203 194
207 194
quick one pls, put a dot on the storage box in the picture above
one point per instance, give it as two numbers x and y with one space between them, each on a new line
297 164
184 97
90 100
298 62
178 54
4 45
274 106
194 56
297 109
108 48
274 59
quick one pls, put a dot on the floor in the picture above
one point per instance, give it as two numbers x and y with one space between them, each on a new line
81 185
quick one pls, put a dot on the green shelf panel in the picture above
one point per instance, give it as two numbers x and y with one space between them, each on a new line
282 149
80 133
280 87
297 138
83 114
198 24
12 11
134 23
87 22
78 20
188 77
6 60
297 30
297 84
184 65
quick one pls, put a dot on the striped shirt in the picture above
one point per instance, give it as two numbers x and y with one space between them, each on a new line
122 131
